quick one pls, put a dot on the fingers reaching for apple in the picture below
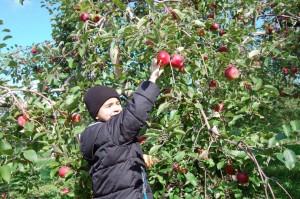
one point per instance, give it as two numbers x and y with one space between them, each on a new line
149 160
156 70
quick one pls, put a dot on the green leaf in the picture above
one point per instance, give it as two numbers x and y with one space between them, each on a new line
288 157
70 62
198 105
141 22
253 53
220 164
119 4
162 107
78 129
37 135
21 2
271 89
267 62
70 99
255 105
5 147
257 83
199 23
191 179
5 173
5 30
295 125
286 130
154 149
82 50
180 155
53 172
7 37
30 155
29 128
178 13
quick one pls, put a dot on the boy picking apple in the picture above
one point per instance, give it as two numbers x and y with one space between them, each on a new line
110 145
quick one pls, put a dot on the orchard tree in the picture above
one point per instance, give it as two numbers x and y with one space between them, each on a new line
229 67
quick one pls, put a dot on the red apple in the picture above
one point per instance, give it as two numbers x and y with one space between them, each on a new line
177 61
170 9
101 63
281 94
63 171
142 139
53 59
85 16
149 43
222 32
219 107
183 170
181 69
223 49
163 58
3 195
200 32
229 169
247 85
22 120
96 19
65 190
205 57
167 90
74 52
242 177
214 26
75 38
270 28
34 50
211 16
294 69
176 166
75 117
213 83
231 73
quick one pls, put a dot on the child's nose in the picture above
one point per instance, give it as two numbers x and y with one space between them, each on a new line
116 108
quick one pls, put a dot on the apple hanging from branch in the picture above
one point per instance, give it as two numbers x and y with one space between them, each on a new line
177 61
163 58
231 72
63 171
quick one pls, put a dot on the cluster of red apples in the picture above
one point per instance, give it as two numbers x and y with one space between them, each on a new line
176 61
241 177
86 16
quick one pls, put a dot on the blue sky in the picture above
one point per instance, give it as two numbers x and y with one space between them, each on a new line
28 24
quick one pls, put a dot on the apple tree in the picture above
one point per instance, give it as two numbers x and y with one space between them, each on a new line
229 66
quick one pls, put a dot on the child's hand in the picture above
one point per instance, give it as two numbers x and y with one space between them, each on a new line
156 71
149 160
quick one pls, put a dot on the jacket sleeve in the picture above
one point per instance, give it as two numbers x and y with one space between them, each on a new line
133 117
87 141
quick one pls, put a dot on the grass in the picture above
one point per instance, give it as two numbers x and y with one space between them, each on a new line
289 179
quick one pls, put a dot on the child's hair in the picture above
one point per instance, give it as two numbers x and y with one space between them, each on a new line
96 96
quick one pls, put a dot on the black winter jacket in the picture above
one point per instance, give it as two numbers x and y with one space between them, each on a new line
113 153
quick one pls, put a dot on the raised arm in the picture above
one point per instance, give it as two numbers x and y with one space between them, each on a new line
127 124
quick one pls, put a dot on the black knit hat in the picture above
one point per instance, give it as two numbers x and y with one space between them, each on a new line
96 96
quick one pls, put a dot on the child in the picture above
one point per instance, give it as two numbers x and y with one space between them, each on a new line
110 145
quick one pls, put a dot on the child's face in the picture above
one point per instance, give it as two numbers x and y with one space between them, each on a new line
111 107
